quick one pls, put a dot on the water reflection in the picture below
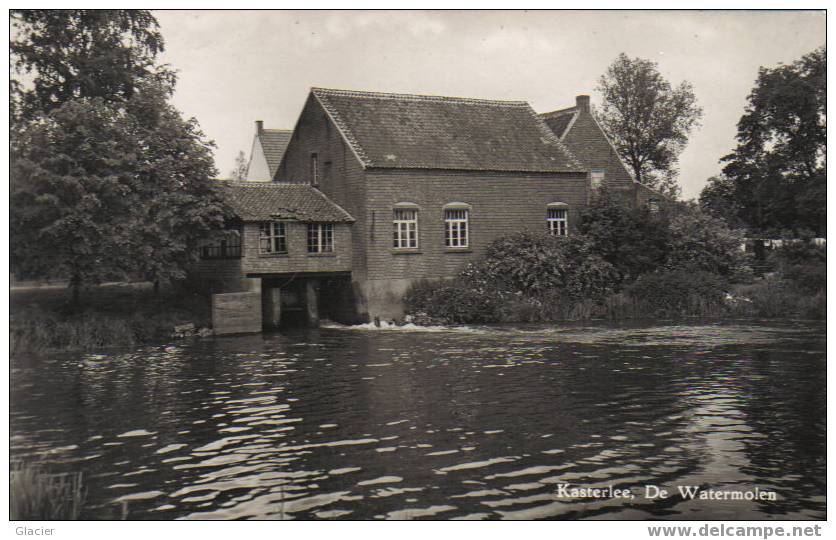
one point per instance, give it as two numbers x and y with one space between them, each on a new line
480 423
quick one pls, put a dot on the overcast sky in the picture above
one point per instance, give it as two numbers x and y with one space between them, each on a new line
239 66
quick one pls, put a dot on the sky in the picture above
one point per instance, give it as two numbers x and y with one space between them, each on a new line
236 67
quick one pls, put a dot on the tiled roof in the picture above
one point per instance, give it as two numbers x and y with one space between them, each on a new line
404 131
260 201
274 143
560 121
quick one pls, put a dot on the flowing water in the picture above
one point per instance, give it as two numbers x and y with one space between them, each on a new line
480 423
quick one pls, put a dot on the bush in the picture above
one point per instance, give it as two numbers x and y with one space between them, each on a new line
451 302
536 264
678 292
701 241
793 253
633 240
35 494
808 278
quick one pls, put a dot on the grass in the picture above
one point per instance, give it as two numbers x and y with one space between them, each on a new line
35 494
108 316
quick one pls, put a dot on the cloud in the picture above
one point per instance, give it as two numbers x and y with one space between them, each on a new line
342 24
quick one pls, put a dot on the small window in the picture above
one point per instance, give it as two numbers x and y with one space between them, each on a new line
405 222
596 177
557 220
272 237
320 237
314 170
326 171
455 227
653 206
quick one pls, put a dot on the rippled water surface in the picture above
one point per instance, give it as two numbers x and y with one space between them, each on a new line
467 423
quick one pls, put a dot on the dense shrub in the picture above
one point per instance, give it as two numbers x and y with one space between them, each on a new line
798 252
534 264
633 240
775 297
683 291
807 278
109 316
451 302
704 242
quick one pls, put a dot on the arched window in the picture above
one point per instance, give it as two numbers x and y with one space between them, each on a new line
457 225
557 218
405 224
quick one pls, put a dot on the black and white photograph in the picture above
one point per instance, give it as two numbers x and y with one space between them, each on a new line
418 264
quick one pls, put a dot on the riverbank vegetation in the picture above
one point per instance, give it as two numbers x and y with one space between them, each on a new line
36 494
117 315
626 263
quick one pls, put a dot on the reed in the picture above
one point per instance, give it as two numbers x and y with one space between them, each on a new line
35 494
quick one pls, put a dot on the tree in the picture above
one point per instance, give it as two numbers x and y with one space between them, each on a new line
633 240
175 202
239 173
68 195
106 181
647 120
776 178
85 53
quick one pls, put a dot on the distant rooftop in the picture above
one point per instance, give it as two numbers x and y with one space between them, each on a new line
262 201
274 143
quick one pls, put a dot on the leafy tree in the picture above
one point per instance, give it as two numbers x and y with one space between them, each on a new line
701 241
85 53
239 173
776 178
69 189
647 119
107 179
633 240
176 203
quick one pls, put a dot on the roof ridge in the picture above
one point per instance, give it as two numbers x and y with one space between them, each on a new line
560 112
276 130
415 97
245 183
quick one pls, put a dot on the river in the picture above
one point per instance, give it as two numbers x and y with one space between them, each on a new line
475 423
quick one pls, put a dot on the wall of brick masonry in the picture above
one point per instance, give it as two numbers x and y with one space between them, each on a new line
297 258
589 144
344 184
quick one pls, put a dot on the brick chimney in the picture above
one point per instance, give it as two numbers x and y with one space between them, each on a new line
582 102
259 127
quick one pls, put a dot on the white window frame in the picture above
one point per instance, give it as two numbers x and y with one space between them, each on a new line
557 219
324 241
600 179
272 232
653 206
405 227
456 220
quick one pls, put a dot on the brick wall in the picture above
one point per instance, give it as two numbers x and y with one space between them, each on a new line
501 203
345 185
217 275
297 258
589 144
